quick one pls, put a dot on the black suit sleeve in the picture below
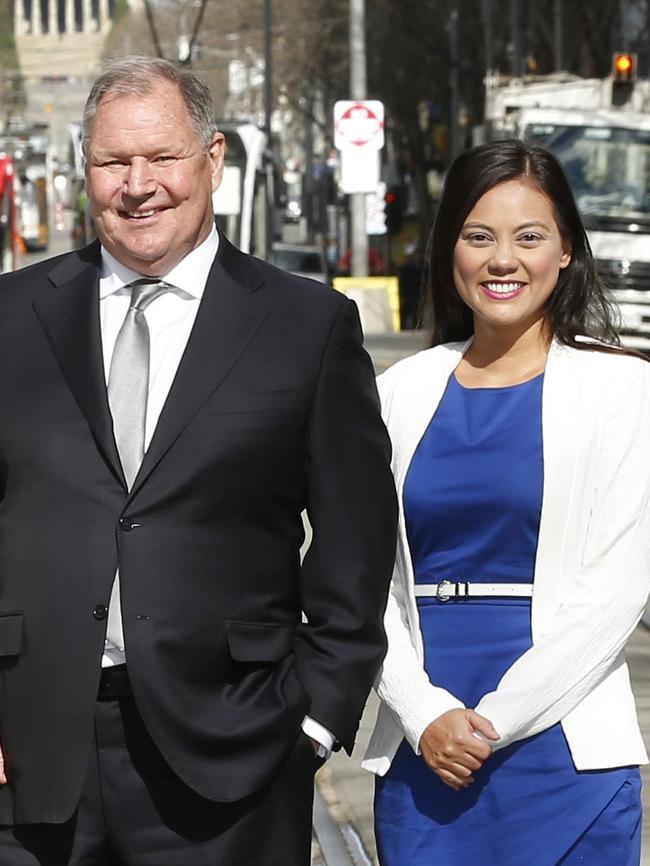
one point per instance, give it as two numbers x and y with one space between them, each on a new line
352 510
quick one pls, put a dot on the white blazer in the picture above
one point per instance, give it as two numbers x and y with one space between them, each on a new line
592 568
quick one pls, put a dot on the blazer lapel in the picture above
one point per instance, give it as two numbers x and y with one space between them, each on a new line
69 315
408 414
229 315
408 405
563 412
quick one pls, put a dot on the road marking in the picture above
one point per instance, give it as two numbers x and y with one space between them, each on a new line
340 844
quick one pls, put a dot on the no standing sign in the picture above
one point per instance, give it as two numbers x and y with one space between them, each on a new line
359 124
359 136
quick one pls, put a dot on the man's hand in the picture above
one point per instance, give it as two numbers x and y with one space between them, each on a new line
450 748
3 778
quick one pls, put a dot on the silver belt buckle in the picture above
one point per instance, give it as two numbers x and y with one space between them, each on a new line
444 590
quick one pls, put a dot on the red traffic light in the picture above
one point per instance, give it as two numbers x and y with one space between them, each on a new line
393 209
624 67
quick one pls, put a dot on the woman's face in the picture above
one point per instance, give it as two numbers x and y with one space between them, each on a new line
508 256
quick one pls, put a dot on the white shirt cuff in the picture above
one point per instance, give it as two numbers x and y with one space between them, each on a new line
317 732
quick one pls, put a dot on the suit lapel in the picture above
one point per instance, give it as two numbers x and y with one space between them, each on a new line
69 315
229 315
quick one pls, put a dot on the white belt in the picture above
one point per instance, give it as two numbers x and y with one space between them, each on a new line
447 589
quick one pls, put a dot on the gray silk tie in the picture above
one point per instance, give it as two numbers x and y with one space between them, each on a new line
128 386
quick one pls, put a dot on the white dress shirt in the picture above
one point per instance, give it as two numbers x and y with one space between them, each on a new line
170 319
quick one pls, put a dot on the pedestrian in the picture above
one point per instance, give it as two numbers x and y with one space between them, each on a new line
507 733
172 675
409 275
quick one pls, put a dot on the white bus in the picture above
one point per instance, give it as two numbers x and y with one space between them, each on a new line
244 204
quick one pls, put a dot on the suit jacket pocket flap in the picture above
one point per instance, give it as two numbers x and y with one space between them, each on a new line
259 642
11 633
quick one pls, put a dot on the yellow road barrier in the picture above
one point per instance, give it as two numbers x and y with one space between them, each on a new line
377 299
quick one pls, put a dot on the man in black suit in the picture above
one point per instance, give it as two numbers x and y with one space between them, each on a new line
171 673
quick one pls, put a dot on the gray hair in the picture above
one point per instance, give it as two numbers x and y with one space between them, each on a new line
137 76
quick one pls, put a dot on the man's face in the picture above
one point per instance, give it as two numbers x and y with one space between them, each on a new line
150 180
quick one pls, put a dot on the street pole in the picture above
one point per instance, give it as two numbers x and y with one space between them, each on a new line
454 145
558 48
268 110
517 39
268 68
358 91
623 12
308 196
487 34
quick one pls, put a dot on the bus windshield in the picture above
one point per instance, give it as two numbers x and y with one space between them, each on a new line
243 202
609 171
227 200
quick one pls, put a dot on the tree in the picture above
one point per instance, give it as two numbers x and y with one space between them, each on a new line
409 59
12 87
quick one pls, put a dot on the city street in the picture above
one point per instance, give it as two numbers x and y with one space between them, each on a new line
364 145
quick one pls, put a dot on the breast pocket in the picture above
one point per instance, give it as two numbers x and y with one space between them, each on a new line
244 402
11 633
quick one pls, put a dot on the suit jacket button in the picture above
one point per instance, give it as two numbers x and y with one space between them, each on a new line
100 611
126 525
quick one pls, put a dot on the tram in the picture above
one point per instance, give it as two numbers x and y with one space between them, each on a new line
8 232
29 146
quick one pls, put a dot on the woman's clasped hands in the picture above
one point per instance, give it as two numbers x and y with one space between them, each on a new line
450 747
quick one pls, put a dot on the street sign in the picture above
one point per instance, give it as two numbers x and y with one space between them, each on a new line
376 211
359 170
358 124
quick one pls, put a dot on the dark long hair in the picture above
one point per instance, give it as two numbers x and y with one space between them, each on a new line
578 305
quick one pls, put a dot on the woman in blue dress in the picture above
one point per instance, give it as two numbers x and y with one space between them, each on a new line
507 733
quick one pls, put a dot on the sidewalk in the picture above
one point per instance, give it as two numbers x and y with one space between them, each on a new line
348 790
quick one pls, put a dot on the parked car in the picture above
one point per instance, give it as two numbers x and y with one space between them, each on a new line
305 260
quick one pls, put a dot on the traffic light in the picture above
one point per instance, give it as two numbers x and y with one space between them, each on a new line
393 209
623 77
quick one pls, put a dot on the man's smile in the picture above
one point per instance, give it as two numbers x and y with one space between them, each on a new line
142 214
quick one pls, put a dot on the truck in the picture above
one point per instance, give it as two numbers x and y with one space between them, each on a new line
600 131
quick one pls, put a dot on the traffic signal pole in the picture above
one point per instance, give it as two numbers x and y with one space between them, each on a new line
268 111
517 37
268 67
454 108
358 91
558 47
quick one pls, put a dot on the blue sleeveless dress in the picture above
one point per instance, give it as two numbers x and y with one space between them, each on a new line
472 501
